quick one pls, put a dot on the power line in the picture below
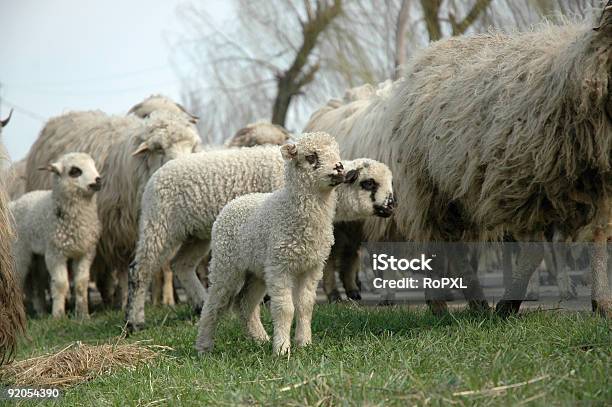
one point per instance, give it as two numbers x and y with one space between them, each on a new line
103 77
26 112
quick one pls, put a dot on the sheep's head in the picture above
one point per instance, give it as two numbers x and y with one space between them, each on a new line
76 173
165 137
314 160
161 103
368 189
259 133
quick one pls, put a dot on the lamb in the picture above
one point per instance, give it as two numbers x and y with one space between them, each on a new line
62 225
259 133
12 315
496 134
183 198
128 150
276 242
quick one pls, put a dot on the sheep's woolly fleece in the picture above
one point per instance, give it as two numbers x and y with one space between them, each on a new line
282 238
492 134
12 315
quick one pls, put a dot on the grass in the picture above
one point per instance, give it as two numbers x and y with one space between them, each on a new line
360 356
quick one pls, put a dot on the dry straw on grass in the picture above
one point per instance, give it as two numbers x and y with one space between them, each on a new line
78 363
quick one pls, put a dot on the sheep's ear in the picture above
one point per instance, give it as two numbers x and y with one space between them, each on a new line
134 108
351 176
53 167
289 151
6 121
142 148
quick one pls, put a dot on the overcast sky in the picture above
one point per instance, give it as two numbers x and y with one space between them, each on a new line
60 55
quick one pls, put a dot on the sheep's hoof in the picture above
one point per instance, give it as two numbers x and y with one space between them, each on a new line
505 308
334 297
385 303
354 295
204 349
437 307
196 309
480 306
133 327
602 308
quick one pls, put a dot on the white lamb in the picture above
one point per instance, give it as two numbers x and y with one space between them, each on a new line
276 242
183 198
62 225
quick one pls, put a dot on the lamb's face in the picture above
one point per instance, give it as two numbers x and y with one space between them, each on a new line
316 160
371 182
77 173
167 137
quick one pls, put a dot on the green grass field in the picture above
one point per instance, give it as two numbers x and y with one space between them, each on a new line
360 356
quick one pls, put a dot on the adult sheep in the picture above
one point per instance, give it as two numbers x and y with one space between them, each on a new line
258 134
128 150
495 134
12 316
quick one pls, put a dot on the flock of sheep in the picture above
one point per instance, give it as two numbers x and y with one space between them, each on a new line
488 137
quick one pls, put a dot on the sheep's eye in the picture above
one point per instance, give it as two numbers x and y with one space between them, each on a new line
369 184
75 172
312 158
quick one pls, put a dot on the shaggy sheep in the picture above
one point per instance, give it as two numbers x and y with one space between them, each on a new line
12 316
161 103
276 242
15 183
495 134
183 198
127 150
62 225
259 133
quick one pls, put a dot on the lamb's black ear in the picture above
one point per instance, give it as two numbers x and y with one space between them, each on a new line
351 176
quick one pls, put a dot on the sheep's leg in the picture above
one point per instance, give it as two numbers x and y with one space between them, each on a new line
168 286
58 270
304 297
530 257
601 296
329 279
473 294
249 299
280 284
349 267
218 300
157 283
184 265
81 282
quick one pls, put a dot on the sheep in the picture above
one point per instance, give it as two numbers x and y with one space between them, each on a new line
161 103
259 133
183 198
493 134
276 242
12 315
15 182
127 150
62 225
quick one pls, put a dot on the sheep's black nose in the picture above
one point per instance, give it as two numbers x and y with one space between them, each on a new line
96 186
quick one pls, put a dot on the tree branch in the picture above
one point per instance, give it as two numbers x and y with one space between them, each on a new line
461 27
